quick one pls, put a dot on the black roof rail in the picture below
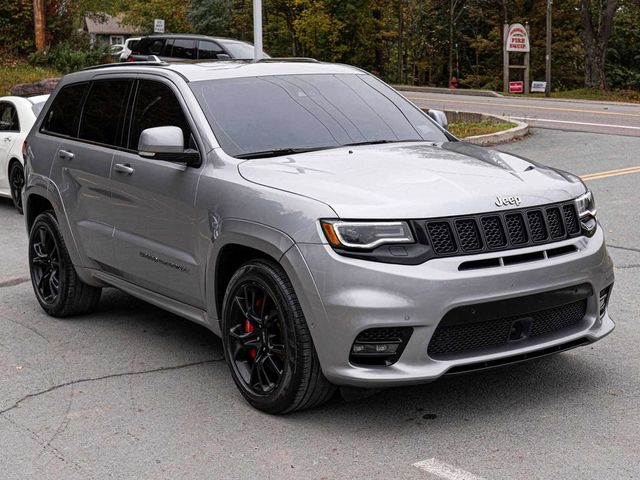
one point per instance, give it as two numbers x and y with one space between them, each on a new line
154 62
288 59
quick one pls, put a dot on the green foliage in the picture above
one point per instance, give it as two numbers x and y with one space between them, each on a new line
16 27
402 41
141 13
73 54
210 17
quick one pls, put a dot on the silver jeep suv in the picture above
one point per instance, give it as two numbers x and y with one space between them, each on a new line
328 230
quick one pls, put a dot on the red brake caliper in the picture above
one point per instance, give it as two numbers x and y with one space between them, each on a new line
248 328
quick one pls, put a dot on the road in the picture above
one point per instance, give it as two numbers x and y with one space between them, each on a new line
134 392
582 116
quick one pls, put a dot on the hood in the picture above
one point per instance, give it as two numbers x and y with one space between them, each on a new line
413 180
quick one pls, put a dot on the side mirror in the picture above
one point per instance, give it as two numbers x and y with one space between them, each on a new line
440 118
223 56
166 143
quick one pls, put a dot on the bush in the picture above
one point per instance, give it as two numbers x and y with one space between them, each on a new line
73 54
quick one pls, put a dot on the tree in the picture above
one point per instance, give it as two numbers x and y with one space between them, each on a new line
456 7
210 17
597 21
39 24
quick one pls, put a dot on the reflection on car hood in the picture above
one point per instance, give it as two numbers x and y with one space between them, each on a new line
412 180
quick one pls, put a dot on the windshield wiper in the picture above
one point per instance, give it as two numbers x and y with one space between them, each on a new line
376 142
279 152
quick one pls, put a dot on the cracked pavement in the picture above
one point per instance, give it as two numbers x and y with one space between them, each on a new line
132 391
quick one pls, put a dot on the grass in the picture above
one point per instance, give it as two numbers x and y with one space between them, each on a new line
13 72
632 96
470 129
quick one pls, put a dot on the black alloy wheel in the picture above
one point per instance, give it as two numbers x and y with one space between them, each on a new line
58 288
257 347
44 256
16 182
267 343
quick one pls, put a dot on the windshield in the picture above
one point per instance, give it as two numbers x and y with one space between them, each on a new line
36 108
239 50
284 113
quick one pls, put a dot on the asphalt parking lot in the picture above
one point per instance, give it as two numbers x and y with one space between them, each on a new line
134 392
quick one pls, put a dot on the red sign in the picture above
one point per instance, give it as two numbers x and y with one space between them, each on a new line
516 87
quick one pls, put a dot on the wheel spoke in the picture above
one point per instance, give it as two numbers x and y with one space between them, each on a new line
278 350
275 368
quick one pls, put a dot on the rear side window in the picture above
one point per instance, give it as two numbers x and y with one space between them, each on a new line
156 106
8 118
64 114
208 50
104 112
153 48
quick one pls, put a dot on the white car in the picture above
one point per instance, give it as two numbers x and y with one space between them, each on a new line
17 116
128 45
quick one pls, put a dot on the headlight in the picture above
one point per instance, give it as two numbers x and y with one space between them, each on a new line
586 205
365 235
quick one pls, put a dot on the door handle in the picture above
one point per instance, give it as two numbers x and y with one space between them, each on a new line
120 168
7 139
66 154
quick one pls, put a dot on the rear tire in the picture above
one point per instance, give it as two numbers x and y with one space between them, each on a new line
56 284
267 343
16 182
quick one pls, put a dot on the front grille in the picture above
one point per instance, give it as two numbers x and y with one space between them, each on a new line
441 237
501 230
483 326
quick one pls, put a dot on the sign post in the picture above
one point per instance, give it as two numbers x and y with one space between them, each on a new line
516 39
257 29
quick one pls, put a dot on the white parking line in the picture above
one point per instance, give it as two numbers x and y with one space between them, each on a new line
606 125
444 470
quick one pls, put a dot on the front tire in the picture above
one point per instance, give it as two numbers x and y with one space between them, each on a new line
267 343
16 182
56 284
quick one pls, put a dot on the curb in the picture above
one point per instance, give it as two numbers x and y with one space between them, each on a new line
451 91
518 132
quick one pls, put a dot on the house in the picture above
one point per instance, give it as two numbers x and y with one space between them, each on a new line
108 29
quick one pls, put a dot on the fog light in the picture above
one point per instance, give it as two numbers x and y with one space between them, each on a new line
373 348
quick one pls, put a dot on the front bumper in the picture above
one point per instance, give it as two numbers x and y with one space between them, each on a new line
343 297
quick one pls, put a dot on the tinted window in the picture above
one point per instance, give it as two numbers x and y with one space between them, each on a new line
258 114
208 50
104 112
156 106
64 115
154 47
183 48
8 118
166 52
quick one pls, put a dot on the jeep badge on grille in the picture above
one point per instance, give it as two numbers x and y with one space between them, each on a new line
504 201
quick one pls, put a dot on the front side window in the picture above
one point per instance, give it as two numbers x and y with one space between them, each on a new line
104 112
156 106
63 116
308 112
183 48
208 50
8 118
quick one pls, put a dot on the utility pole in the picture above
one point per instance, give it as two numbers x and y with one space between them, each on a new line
39 24
257 29
547 58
